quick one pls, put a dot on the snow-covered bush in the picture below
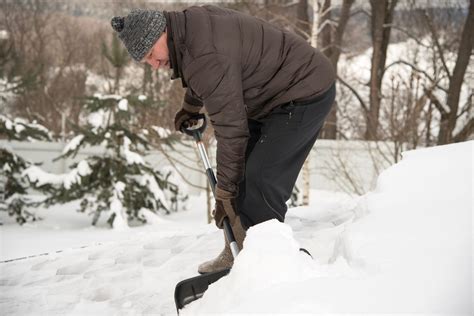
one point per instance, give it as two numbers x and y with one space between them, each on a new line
119 183
13 185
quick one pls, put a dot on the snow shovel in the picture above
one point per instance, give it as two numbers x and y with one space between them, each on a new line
192 289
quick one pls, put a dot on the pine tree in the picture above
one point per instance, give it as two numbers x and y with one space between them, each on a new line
117 182
13 185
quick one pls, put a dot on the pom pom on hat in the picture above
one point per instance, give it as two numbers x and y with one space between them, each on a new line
117 23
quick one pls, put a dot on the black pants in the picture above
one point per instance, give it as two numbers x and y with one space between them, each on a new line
276 151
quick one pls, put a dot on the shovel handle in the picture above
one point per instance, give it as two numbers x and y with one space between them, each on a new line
185 128
196 133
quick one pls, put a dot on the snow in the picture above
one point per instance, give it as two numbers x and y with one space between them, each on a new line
97 119
19 128
4 34
41 177
73 144
404 248
130 156
8 124
150 182
116 207
19 124
162 132
101 96
407 251
123 105
355 69
7 168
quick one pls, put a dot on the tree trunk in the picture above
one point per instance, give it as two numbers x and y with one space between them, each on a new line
329 130
302 24
331 43
381 18
448 120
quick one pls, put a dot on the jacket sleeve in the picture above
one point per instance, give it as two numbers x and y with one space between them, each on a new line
218 83
191 102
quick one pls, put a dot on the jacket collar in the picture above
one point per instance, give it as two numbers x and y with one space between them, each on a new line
175 24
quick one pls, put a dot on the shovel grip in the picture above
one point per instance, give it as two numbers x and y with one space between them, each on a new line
191 131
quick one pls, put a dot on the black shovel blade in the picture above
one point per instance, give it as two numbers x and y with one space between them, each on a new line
189 290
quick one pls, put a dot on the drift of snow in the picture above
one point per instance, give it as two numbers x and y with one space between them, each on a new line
407 250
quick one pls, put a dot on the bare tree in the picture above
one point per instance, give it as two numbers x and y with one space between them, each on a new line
303 25
449 113
381 20
331 44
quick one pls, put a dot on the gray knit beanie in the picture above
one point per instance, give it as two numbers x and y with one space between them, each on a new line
139 30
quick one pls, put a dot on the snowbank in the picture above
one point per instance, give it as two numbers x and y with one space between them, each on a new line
408 249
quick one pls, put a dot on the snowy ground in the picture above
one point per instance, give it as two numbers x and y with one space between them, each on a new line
404 248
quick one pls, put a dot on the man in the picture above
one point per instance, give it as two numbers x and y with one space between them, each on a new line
265 90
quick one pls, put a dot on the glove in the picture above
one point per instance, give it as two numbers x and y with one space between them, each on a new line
225 206
186 117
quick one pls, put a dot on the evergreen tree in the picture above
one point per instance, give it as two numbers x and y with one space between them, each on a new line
13 185
117 182
15 76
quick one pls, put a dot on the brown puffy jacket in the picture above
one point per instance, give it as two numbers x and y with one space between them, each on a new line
240 67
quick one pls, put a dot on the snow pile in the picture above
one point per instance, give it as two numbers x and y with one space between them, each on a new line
408 250
270 260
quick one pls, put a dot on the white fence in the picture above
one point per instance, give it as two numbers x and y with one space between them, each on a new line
351 166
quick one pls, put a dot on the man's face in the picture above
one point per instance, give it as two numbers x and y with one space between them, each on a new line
158 56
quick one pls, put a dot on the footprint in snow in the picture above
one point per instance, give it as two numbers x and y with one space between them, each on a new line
74 269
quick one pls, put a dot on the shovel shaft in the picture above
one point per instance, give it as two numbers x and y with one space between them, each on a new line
213 182
192 289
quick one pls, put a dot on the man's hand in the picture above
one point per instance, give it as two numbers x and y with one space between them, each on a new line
225 206
185 119
183 116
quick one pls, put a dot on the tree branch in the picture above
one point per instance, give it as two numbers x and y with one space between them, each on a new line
436 40
431 79
356 94
465 132
435 101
